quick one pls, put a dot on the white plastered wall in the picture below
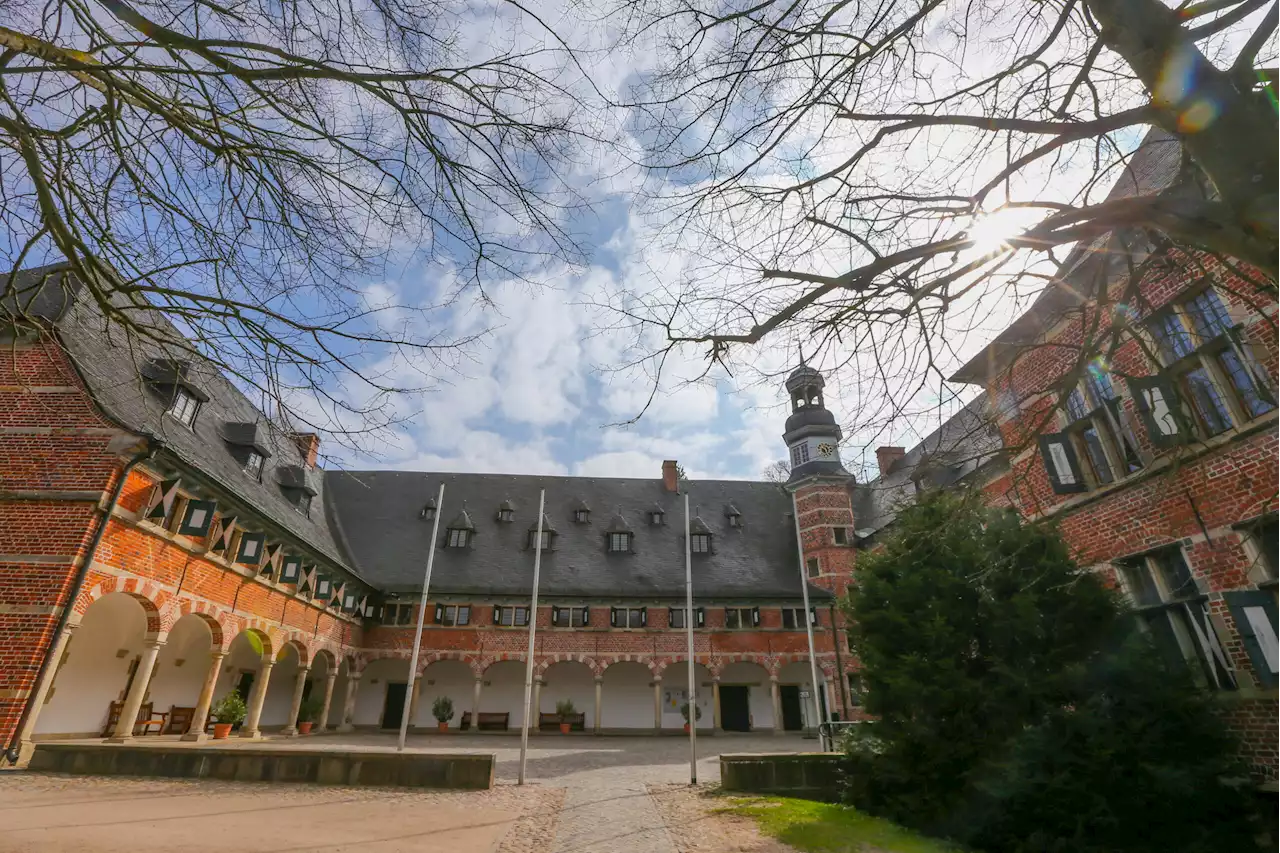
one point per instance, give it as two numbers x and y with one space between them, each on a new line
675 686
627 697
182 664
800 673
371 697
503 690
279 699
241 656
566 680
451 678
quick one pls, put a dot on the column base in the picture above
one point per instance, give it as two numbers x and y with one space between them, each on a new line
289 732
251 735
345 728
195 737
115 739
779 732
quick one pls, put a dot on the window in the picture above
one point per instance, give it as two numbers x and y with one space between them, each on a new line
1098 445
799 453
253 465
582 516
397 614
855 689
812 567
457 538
840 535
741 617
184 406
304 503
793 618
453 614
735 519
1170 607
506 513
628 617
543 542
619 543
517 616
675 617
700 543
570 617
1210 364
657 517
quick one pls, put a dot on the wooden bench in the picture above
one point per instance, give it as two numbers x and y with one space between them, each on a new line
180 718
492 721
146 719
551 722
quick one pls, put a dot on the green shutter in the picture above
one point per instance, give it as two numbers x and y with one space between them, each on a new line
1241 602
1061 464
1161 411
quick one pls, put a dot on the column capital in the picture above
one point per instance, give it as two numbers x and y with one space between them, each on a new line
331 675
599 679
217 654
154 642
303 669
773 679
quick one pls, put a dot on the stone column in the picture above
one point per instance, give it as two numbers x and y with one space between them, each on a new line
42 689
413 700
715 703
256 697
534 728
657 706
201 715
599 684
776 696
475 705
329 681
295 705
138 691
349 703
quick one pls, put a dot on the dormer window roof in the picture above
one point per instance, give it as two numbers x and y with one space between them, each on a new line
428 511
619 535
460 530
548 534
506 511
582 513
735 517
172 379
699 536
657 516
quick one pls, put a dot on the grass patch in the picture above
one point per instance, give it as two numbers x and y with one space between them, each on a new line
825 828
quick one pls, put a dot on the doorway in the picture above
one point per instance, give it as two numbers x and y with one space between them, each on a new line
393 710
735 708
792 716
244 686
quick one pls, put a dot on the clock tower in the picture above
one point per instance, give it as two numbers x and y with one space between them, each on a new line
819 483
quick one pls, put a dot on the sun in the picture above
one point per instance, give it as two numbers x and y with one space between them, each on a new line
992 231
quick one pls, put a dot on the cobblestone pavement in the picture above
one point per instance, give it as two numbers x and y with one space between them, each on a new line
606 805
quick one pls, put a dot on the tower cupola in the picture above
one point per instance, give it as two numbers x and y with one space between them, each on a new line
812 434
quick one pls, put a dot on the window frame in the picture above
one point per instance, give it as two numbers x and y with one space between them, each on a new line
675 617
700 543
453 615
1209 340
509 615
613 538
799 453
749 615
254 463
178 408
812 567
840 535
397 614
1091 408
1173 609
457 537
546 540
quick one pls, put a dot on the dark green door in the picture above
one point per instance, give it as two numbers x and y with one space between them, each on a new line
792 719
735 708
393 711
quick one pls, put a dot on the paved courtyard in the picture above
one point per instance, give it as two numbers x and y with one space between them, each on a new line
595 786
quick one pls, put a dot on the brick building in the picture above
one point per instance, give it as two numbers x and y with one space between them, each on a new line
1139 412
163 543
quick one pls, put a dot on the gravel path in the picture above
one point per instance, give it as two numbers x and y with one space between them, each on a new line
693 827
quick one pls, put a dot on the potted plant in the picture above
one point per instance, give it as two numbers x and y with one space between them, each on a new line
684 712
228 712
565 710
308 714
442 710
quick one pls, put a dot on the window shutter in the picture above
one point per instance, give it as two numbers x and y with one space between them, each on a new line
755 616
700 616
555 616
671 615
813 615
644 617
198 518
1061 464
613 617
1160 410
439 613
1254 613
497 614
586 616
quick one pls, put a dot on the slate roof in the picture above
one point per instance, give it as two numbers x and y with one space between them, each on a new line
963 443
112 369
378 517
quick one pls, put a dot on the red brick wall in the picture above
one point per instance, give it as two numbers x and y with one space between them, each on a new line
1231 478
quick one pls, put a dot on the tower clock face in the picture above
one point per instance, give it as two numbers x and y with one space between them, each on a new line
826 449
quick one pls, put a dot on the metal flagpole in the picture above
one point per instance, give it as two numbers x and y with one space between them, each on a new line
422 613
688 624
533 631
808 616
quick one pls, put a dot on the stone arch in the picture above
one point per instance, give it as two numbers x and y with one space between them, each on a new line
180 608
474 663
488 662
717 665
147 594
326 655
777 662
299 646
713 665
540 667
646 661
264 638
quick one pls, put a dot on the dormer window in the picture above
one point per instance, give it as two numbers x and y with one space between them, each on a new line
735 517
458 534
657 516
619 543
618 536
253 465
428 512
540 540
183 407
304 504
458 538
700 543
581 513
506 512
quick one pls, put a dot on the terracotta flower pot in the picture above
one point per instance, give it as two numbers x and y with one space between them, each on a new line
686 728
221 731
564 728
305 728
443 726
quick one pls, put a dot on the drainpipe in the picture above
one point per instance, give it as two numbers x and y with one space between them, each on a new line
840 678
153 445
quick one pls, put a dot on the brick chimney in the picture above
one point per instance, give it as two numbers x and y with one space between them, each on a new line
886 457
308 445
670 475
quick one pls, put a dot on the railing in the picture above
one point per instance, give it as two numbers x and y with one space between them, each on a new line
829 733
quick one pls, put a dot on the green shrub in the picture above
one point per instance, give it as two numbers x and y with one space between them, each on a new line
309 710
442 709
230 709
565 710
